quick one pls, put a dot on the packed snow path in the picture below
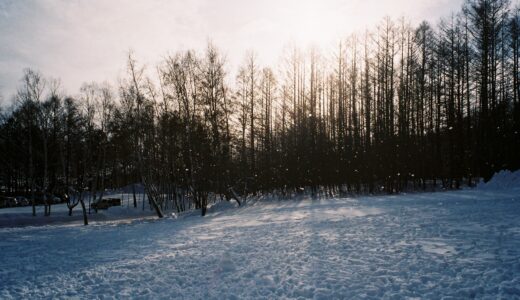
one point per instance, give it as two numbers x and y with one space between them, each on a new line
460 244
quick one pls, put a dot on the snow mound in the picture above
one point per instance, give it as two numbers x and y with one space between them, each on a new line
504 179
222 206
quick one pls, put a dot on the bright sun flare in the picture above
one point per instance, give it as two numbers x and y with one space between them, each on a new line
310 23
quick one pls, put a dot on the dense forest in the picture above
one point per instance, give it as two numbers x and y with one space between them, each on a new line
401 106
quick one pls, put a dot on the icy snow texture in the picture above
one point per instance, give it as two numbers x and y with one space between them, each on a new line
460 244
504 179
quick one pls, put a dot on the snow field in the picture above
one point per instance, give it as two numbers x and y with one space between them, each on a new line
448 245
22 216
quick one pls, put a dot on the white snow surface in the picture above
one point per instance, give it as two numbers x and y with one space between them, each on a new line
22 216
504 179
451 245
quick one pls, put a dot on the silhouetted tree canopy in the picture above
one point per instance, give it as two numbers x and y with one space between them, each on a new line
395 108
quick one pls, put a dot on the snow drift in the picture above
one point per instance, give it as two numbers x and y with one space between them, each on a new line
504 179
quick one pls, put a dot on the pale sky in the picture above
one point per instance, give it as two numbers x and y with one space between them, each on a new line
87 40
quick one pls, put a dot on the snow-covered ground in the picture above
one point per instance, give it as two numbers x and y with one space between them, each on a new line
460 244
22 216
504 179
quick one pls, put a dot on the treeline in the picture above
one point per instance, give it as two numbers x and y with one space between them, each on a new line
397 107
